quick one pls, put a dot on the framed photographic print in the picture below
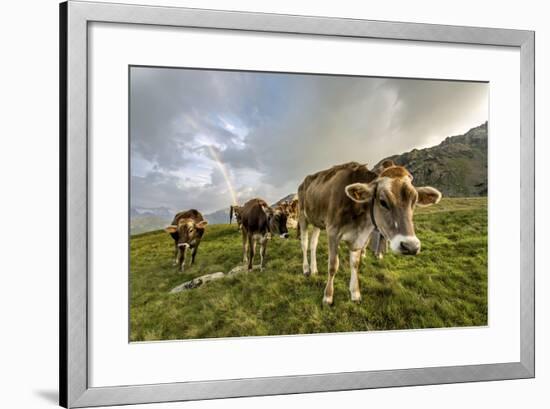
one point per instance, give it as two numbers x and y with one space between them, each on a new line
257 204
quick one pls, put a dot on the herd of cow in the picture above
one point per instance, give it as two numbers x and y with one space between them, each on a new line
358 206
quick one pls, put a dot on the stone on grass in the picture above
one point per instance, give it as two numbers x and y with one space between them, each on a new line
197 282
242 269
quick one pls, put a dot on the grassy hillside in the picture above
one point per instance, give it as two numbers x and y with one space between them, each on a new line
444 286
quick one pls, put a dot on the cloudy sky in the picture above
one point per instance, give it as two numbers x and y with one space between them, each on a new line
202 139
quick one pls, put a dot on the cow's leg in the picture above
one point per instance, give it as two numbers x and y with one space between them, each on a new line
245 246
251 250
304 239
176 253
354 262
332 267
181 258
263 252
193 254
313 246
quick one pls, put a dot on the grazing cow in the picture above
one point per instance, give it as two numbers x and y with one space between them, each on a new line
236 210
259 222
350 202
292 213
290 208
187 230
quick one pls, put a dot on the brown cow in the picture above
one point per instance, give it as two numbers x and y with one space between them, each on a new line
350 201
235 210
187 230
259 222
290 208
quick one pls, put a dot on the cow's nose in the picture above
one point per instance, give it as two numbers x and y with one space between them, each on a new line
183 245
410 246
284 235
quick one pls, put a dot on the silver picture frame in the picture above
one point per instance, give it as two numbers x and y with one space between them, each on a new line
75 16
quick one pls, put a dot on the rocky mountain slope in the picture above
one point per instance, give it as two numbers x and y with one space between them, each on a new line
457 166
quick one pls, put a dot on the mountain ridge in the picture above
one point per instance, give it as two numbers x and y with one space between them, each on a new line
457 166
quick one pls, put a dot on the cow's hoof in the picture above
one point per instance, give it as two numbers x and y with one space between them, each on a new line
327 301
314 272
356 298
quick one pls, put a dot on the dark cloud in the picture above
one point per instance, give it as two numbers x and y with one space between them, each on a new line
270 130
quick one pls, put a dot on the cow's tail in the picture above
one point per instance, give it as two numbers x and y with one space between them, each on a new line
230 213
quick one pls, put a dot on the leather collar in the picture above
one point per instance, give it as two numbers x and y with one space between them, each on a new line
372 209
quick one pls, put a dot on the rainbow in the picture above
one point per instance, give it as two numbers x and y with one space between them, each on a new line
224 172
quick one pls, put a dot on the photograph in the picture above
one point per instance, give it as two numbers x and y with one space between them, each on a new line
275 204
280 203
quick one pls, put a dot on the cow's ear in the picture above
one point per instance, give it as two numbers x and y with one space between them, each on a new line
171 229
359 192
202 224
388 163
427 196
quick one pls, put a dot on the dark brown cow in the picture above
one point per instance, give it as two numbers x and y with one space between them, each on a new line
187 230
259 222
350 201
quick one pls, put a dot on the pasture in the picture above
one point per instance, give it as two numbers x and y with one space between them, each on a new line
444 286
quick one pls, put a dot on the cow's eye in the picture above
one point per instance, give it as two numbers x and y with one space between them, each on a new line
384 204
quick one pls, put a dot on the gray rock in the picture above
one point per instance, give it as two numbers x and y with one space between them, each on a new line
242 268
197 282
237 269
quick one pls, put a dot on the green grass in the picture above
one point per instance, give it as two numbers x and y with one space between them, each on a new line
444 286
